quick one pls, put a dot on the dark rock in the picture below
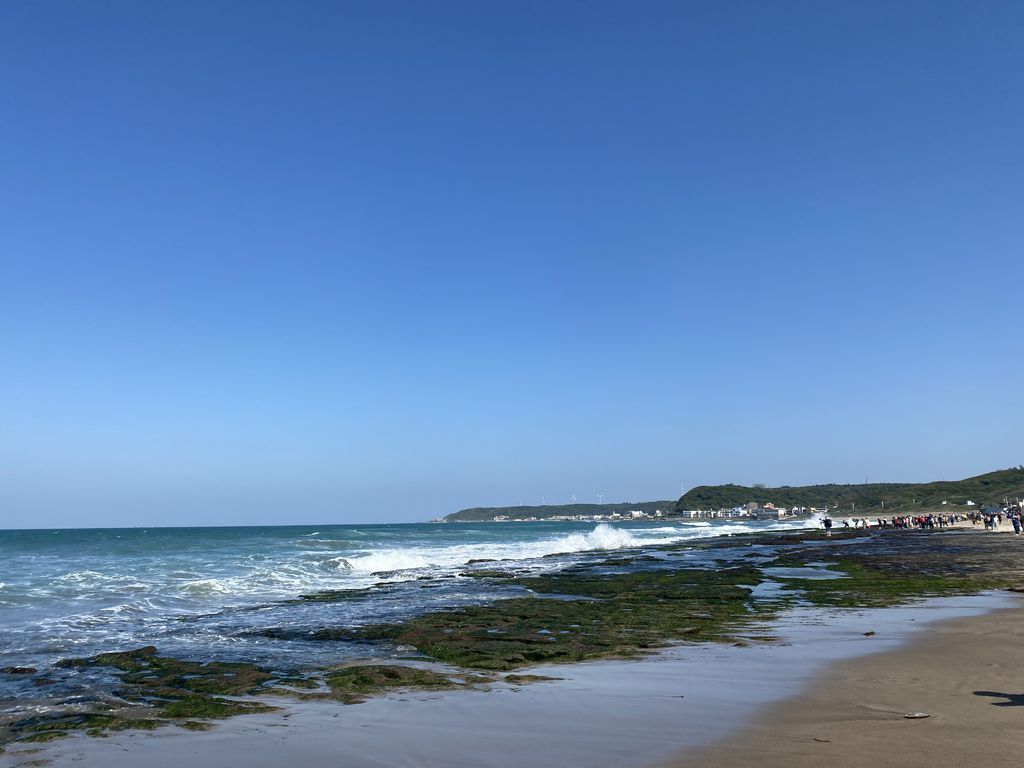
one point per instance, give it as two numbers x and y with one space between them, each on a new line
520 679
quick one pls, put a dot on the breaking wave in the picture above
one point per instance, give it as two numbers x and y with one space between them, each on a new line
603 537
115 596
390 563
207 587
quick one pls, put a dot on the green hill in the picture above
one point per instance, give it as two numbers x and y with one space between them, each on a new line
479 514
992 487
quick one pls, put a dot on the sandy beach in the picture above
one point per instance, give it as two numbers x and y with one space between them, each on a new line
964 672
725 705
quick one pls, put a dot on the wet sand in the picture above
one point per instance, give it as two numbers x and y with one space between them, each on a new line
967 673
611 714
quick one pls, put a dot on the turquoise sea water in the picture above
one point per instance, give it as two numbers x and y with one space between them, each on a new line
203 593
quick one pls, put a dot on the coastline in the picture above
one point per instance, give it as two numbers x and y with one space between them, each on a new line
624 693
603 714
963 672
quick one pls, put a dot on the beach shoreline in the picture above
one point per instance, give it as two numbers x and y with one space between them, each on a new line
768 615
604 714
961 672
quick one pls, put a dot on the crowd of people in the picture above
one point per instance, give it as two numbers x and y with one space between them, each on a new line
929 521
991 519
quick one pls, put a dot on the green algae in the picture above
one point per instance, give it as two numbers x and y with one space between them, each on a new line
355 683
863 586
211 708
621 615
894 567
49 728
476 679
147 674
37 738
52 727
298 682
587 613
369 679
169 688
521 679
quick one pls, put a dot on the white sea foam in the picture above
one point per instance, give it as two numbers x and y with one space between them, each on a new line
401 560
331 561
602 537
80 577
337 562
141 606
207 587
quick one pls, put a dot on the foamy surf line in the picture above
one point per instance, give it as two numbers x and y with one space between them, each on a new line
92 600
604 537
342 564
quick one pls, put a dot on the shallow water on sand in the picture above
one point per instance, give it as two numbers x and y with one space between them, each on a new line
610 714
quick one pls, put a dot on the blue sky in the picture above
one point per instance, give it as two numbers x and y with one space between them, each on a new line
320 261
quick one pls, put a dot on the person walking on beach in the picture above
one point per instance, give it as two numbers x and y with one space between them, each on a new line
827 522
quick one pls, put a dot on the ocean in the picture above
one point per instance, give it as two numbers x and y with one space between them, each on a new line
233 594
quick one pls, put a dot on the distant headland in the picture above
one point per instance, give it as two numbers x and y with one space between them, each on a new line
630 509
871 499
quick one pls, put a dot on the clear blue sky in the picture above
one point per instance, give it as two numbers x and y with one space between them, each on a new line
324 261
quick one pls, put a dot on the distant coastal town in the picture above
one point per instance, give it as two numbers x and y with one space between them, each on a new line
631 514
752 511
996 490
